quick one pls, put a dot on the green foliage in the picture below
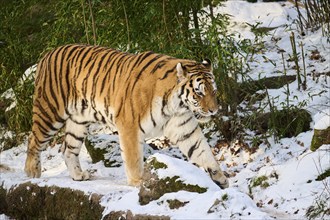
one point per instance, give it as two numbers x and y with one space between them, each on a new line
31 28
323 175
157 165
319 209
224 197
259 181
184 29
289 122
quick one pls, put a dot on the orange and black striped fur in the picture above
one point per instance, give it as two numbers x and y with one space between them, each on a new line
144 95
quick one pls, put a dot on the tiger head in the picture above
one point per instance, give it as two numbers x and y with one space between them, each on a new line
198 89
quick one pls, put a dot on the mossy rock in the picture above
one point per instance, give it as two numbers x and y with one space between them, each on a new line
110 155
323 175
30 201
156 164
128 215
248 88
175 204
320 137
152 187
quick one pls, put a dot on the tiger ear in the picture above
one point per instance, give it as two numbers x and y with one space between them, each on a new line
180 72
207 63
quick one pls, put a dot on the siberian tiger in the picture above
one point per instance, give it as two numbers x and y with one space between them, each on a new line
143 95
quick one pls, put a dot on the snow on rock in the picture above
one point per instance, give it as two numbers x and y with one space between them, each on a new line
117 196
187 172
214 203
322 119
323 123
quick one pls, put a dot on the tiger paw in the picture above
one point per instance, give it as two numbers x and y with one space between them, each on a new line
135 183
223 182
81 176
32 167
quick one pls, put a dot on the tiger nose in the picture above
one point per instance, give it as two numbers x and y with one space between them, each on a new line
213 111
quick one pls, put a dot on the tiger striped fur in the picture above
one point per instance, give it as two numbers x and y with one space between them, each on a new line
144 95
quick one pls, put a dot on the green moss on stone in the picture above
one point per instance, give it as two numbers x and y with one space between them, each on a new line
152 187
30 201
320 137
175 204
156 164
97 154
323 175
260 181
153 190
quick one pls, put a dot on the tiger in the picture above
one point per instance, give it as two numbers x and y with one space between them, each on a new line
142 95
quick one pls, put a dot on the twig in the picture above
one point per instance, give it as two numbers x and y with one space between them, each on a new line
165 23
304 83
93 22
85 22
127 26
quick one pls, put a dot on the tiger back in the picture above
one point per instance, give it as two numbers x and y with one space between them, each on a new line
143 95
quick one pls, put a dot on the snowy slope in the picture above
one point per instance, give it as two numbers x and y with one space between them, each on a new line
288 167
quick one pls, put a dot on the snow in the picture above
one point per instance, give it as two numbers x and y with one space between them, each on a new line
189 176
322 119
288 165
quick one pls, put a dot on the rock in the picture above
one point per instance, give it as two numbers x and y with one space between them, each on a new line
175 204
323 175
30 201
247 88
153 186
104 148
320 137
128 215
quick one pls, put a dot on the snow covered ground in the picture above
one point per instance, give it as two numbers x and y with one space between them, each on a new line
286 169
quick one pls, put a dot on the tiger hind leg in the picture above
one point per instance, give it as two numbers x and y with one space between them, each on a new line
74 138
32 163
41 134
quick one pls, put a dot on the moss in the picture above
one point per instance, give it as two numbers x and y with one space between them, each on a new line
115 215
153 188
97 154
156 164
175 204
323 175
320 137
224 197
260 181
157 188
29 201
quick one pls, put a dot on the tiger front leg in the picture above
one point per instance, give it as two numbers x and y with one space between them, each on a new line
74 137
132 154
198 152
184 132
